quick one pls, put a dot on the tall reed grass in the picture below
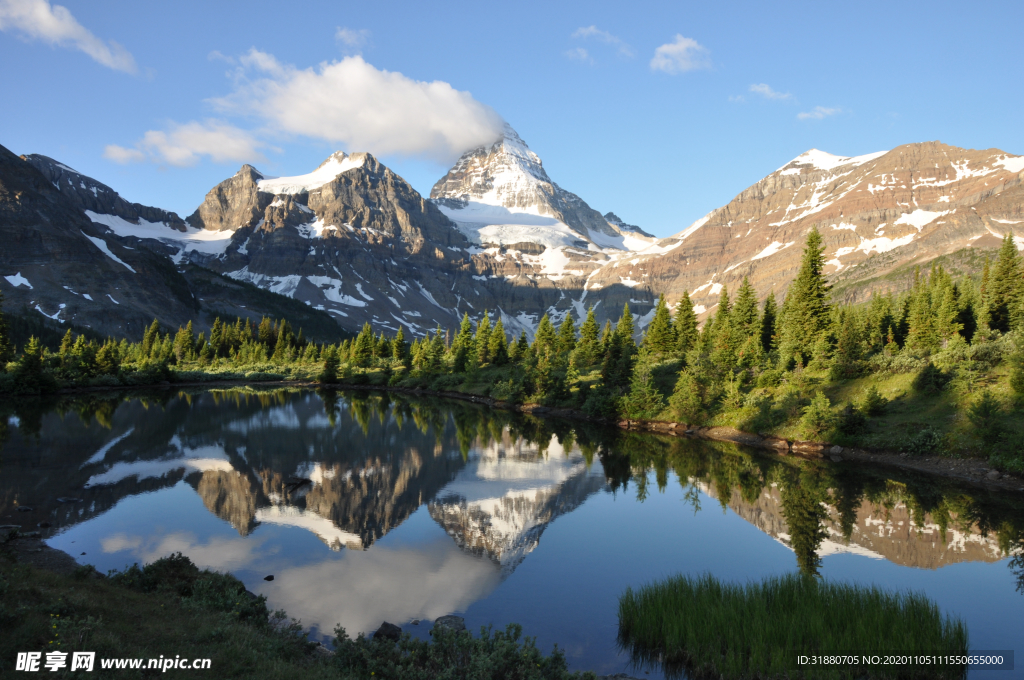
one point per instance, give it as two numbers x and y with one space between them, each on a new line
710 629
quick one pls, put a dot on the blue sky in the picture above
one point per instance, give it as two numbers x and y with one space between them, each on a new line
658 111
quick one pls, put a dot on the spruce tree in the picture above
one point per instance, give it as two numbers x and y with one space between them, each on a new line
585 354
544 338
497 346
399 347
482 340
806 309
1004 287
660 337
329 374
624 329
745 319
566 341
685 325
769 321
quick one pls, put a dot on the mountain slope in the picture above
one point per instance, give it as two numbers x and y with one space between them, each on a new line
876 212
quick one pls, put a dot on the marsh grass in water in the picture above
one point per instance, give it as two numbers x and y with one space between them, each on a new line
711 629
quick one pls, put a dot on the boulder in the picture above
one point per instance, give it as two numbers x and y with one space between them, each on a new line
388 631
455 623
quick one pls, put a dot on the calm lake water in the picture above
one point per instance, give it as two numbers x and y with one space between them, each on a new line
369 507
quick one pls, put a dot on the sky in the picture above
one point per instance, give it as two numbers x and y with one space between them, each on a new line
658 111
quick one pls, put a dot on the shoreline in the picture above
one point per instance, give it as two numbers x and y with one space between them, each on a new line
970 470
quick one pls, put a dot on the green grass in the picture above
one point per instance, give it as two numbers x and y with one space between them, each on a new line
711 629
170 608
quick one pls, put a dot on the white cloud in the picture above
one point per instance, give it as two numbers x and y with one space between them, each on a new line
352 39
55 24
352 103
579 54
184 144
605 37
681 55
737 98
767 92
818 113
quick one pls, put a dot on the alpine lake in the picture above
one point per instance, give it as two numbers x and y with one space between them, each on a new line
369 507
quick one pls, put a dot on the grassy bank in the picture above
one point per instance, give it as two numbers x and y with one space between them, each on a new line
757 630
171 608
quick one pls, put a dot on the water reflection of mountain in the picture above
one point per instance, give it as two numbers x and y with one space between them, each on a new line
891 532
501 502
266 458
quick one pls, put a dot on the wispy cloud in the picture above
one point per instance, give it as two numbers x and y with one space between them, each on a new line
185 144
607 38
353 40
818 113
579 54
681 55
737 98
767 92
54 24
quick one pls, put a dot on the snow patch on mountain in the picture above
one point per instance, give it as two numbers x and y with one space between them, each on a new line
201 240
826 161
299 184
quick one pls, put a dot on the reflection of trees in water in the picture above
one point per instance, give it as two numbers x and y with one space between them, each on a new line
808 489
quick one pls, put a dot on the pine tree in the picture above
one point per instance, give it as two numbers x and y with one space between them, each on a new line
497 347
806 309
482 340
329 374
624 328
660 337
1004 287
769 323
150 336
544 339
566 341
587 348
685 325
399 348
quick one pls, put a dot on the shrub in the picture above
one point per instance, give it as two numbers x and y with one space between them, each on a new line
818 419
984 415
930 379
769 378
506 390
852 421
925 441
874 403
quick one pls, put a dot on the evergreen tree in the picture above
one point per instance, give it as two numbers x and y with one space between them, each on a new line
522 347
624 328
769 323
588 347
265 333
685 325
660 337
362 349
544 339
149 337
566 341
644 401
463 344
498 344
1004 287
399 348
329 374
806 309
482 340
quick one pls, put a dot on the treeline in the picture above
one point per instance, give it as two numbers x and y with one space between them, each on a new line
758 366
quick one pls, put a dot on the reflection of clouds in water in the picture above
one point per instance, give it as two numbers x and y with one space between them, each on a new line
220 554
359 590
281 417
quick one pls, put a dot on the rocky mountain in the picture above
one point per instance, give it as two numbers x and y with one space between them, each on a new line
72 254
877 213
353 242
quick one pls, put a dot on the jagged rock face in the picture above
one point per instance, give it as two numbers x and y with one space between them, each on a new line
58 263
875 212
231 204
233 496
85 193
